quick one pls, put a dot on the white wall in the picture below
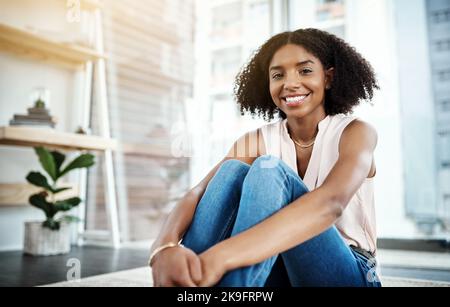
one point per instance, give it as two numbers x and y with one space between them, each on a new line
18 76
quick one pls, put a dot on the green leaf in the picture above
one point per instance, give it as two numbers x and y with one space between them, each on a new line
39 201
59 160
47 161
85 160
39 180
67 204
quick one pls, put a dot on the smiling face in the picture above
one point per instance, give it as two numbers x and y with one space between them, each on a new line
298 81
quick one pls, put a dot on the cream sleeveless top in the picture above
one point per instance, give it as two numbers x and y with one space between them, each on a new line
357 222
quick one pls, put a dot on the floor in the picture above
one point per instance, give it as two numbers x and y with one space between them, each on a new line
415 264
17 269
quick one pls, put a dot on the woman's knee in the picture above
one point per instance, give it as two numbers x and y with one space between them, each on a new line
232 170
233 166
267 162
269 166
269 169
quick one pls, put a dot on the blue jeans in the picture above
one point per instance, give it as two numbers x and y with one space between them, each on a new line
240 196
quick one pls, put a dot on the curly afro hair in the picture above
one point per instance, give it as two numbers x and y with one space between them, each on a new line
353 80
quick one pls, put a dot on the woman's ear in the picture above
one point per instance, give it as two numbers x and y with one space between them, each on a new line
329 75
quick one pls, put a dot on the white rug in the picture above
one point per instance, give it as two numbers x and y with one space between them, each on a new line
141 277
413 259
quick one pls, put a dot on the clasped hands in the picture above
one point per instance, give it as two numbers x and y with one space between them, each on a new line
181 267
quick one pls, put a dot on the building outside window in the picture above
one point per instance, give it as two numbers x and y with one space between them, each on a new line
231 30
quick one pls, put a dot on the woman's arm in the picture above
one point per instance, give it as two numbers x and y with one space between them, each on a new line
304 218
246 149
181 267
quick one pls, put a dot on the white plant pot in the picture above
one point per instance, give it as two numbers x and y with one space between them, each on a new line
42 241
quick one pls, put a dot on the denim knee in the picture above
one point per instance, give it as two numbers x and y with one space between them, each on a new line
233 165
232 170
266 171
270 165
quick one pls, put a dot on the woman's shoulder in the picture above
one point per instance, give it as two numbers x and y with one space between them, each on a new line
351 123
360 125
359 130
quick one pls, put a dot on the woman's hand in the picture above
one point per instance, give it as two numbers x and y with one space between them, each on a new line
176 267
213 268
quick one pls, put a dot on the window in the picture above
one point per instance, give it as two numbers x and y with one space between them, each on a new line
225 17
149 80
225 65
237 28
330 9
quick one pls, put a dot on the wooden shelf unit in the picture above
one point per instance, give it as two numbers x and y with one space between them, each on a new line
31 137
38 47
47 137
17 194
26 43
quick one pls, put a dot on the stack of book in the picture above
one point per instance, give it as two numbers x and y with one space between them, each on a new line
35 117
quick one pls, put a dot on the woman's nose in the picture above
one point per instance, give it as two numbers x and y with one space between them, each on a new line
292 82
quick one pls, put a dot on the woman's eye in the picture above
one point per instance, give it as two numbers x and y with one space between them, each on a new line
277 76
305 71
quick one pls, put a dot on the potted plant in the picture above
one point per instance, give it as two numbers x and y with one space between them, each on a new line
52 236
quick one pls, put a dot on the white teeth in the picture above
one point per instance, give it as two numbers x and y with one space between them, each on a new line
295 99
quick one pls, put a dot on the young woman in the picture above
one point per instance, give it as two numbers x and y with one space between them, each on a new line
292 202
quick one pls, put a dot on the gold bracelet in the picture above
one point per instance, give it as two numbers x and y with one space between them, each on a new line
161 248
